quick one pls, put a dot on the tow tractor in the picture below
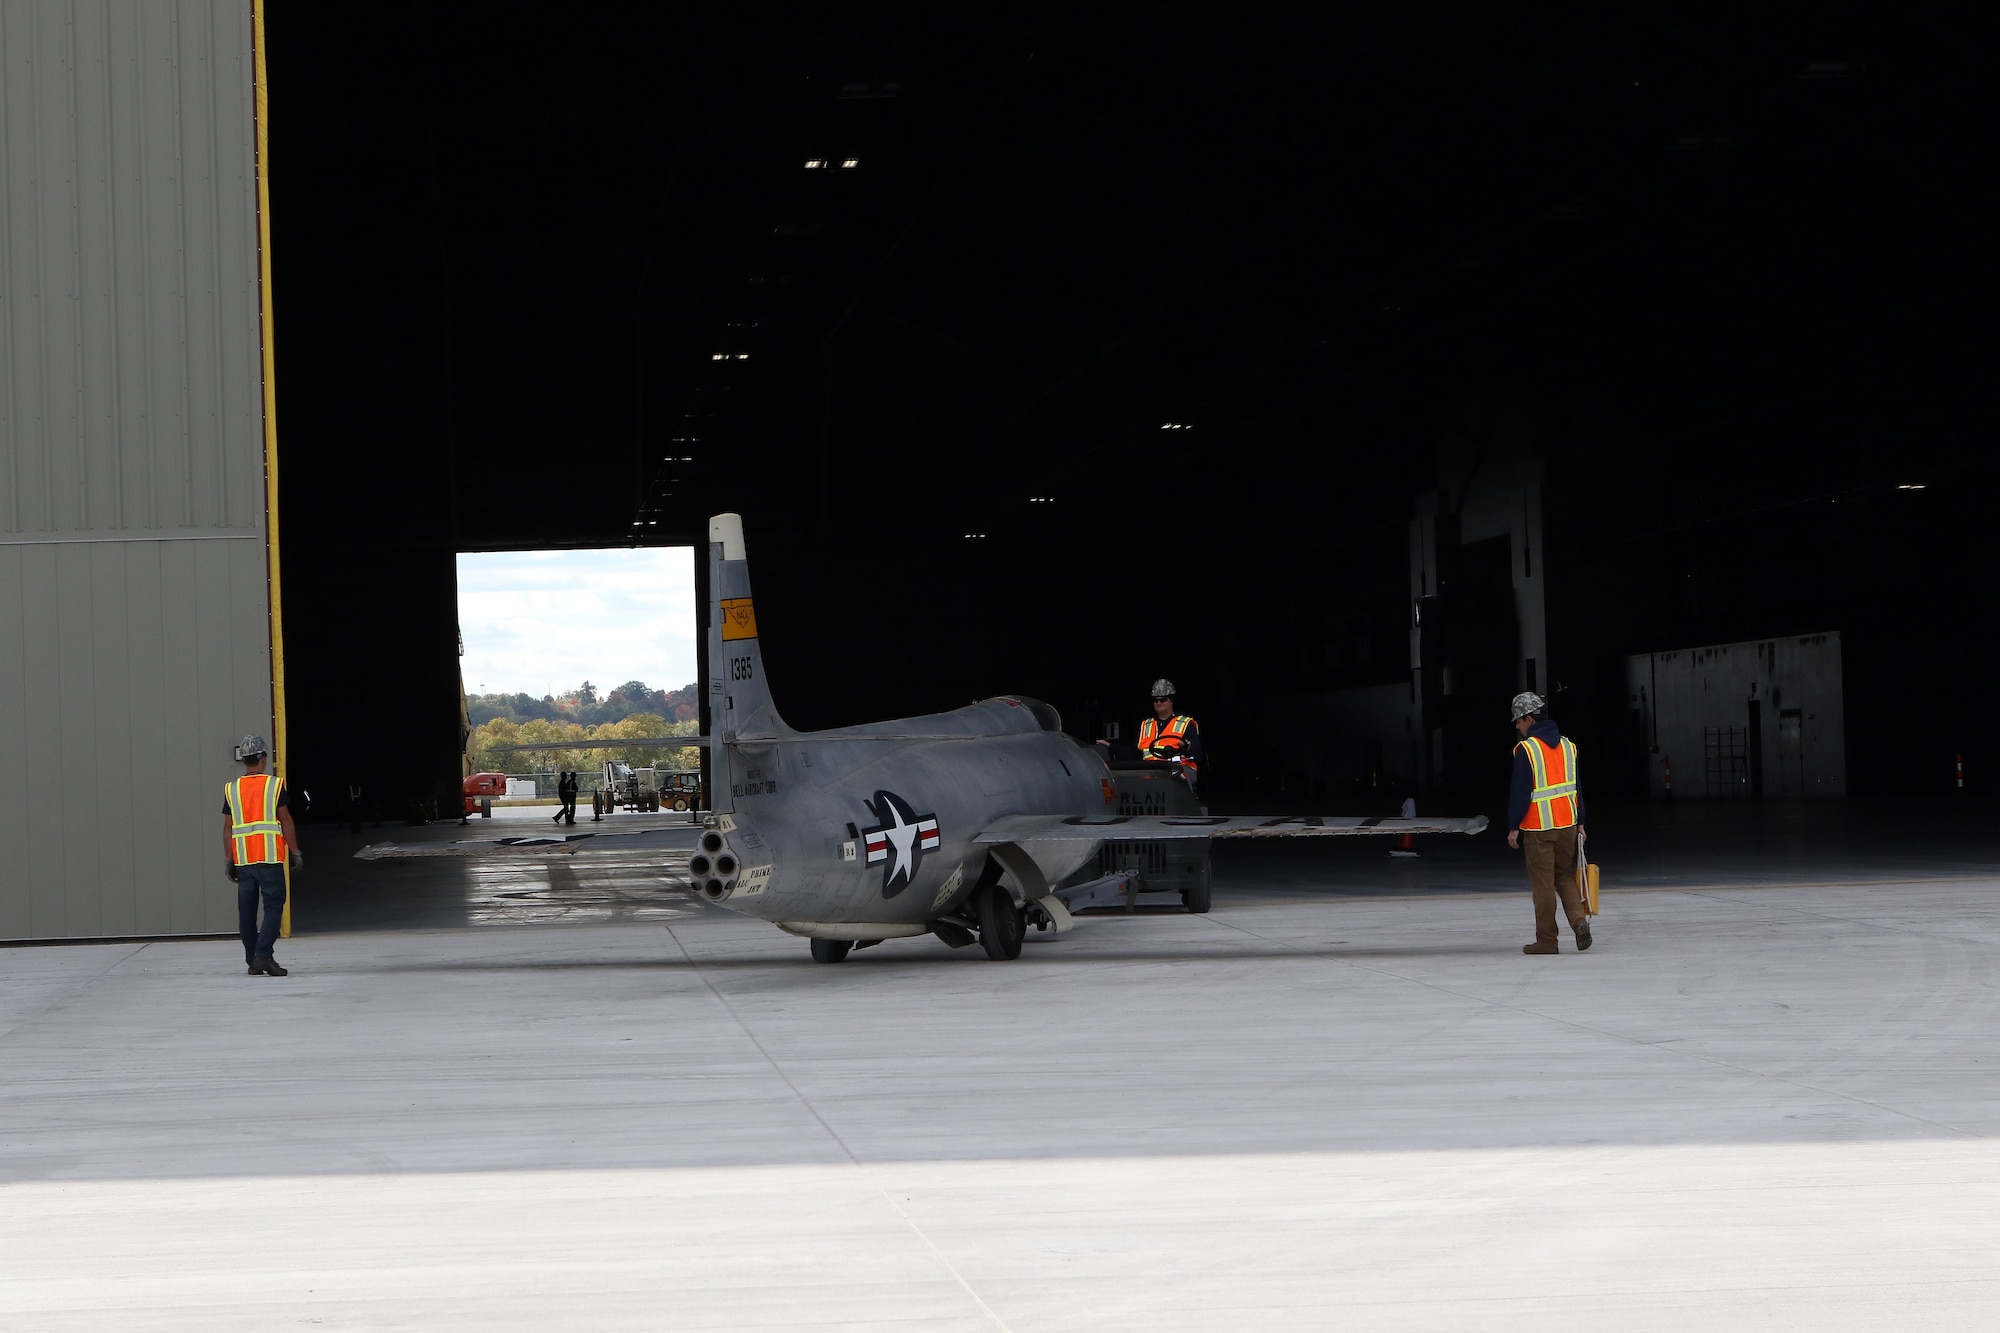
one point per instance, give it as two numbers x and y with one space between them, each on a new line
1129 873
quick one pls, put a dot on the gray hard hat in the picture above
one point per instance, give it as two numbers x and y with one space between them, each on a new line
1527 702
250 747
1163 688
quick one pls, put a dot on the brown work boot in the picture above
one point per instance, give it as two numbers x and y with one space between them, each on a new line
1539 948
1582 938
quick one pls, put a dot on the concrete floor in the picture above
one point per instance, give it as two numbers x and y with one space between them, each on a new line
1768 1107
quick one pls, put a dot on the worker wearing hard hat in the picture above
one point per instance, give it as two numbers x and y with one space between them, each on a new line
258 834
1545 814
1168 736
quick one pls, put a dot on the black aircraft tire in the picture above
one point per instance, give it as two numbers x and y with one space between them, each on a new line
1002 926
1195 896
831 951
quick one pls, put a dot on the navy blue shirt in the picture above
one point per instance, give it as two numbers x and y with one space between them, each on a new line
1521 797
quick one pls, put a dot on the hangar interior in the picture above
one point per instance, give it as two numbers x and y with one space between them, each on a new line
1312 388
1037 395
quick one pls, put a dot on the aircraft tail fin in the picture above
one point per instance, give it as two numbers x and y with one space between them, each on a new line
739 696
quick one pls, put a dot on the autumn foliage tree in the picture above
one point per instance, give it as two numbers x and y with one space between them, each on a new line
489 745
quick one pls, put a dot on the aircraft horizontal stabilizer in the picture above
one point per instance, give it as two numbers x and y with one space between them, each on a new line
554 844
403 851
1158 828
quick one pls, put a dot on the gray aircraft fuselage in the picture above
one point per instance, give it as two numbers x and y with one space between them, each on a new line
837 829
867 832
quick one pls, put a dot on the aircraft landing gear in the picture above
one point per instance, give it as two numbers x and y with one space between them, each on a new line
831 951
1002 925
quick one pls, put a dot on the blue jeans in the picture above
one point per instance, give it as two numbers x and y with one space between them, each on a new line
252 882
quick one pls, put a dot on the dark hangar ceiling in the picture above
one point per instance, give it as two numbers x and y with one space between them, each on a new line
557 277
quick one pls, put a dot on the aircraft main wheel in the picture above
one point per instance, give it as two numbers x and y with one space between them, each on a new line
831 951
1195 896
1002 925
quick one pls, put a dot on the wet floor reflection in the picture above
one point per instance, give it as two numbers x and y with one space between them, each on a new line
614 887
340 893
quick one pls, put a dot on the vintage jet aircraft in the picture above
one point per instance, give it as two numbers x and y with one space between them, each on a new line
959 824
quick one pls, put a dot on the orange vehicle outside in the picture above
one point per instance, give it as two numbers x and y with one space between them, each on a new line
480 789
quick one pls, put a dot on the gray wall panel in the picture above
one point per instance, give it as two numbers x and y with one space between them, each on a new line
110 712
190 833
15 788
132 567
76 759
39 691
151 773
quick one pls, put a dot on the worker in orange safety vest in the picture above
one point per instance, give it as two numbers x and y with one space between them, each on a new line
1545 812
259 835
1169 737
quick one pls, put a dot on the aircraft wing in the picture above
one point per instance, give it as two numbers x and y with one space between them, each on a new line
1156 828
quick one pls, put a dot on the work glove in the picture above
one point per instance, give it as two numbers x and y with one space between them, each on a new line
298 859
229 869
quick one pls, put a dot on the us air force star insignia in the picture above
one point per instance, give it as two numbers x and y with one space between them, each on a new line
901 839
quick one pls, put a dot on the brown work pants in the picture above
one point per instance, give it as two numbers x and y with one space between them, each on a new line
1552 872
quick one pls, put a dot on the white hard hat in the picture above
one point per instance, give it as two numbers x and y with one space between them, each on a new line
1163 688
1527 702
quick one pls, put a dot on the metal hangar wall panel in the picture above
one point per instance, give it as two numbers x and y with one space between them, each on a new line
135 636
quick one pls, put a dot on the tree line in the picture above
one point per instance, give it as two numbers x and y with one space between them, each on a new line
594 744
583 706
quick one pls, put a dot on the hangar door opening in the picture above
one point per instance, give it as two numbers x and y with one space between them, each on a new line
576 661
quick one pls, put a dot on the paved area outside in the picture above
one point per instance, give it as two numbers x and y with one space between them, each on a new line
1748 1107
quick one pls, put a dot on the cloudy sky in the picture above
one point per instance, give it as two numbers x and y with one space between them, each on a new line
541 622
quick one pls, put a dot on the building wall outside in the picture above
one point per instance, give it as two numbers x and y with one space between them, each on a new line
1760 718
134 603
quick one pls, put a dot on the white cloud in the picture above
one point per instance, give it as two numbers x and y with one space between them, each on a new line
541 622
